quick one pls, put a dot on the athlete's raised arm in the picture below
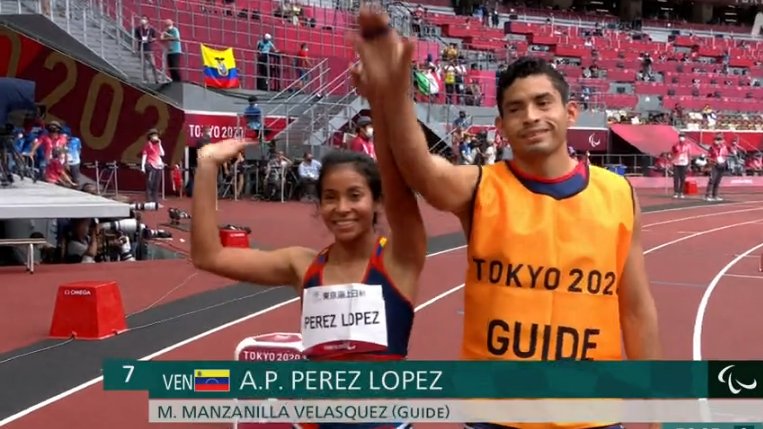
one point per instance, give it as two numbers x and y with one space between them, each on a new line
407 238
638 314
269 268
387 74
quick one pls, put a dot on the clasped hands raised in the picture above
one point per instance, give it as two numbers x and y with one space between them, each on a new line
384 70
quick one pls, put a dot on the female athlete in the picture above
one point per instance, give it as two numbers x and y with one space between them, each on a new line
381 273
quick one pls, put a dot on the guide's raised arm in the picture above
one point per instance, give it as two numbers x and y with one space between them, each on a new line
385 75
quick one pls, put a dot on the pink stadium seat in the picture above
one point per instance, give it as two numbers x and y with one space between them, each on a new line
687 81
618 57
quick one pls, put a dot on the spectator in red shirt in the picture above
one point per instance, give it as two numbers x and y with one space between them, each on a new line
363 141
54 139
680 165
303 66
719 154
55 171
152 165
755 164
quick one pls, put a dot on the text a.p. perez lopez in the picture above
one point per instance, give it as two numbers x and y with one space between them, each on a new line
343 380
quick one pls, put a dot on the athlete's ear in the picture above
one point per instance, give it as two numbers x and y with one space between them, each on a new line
499 123
573 111
378 208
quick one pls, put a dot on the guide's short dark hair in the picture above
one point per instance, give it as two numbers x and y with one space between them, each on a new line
530 66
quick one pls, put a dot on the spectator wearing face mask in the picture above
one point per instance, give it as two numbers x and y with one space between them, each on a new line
171 36
462 121
363 141
719 154
152 165
55 171
145 35
680 165
266 51
309 170
54 139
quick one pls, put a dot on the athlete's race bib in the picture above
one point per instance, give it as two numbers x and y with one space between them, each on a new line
347 318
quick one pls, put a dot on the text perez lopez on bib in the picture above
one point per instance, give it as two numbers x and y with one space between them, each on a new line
341 380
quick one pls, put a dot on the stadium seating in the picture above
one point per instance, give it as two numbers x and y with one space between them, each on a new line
242 24
687 71
599 17
681 68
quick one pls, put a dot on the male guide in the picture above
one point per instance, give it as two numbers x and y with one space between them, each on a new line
524 340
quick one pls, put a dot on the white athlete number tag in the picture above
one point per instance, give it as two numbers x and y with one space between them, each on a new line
341 318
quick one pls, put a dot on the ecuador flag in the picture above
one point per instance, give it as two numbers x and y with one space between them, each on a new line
211 380
219 68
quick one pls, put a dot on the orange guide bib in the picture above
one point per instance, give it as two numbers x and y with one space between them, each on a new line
543 274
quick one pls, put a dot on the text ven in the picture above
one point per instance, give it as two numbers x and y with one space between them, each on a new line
550 278
177 382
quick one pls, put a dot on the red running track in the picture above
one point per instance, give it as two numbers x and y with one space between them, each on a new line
686 250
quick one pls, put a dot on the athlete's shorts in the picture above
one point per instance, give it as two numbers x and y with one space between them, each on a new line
493 426
354 426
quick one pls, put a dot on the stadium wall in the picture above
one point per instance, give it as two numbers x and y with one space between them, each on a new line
110 116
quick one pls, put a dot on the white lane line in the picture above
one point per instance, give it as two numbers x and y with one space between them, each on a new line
699 206
745 276
703 303
429 302
195 338
697 234
423 305
666 222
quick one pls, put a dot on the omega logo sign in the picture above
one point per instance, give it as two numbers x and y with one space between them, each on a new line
77 292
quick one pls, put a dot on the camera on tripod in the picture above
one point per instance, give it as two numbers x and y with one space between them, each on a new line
146 206
176 215
134 227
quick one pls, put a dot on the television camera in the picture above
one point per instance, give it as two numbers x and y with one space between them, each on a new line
10 159
126 239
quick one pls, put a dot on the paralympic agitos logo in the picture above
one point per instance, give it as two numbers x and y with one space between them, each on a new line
735 386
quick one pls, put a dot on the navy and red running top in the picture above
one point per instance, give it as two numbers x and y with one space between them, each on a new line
399 310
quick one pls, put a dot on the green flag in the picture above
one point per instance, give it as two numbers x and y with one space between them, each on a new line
422 83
